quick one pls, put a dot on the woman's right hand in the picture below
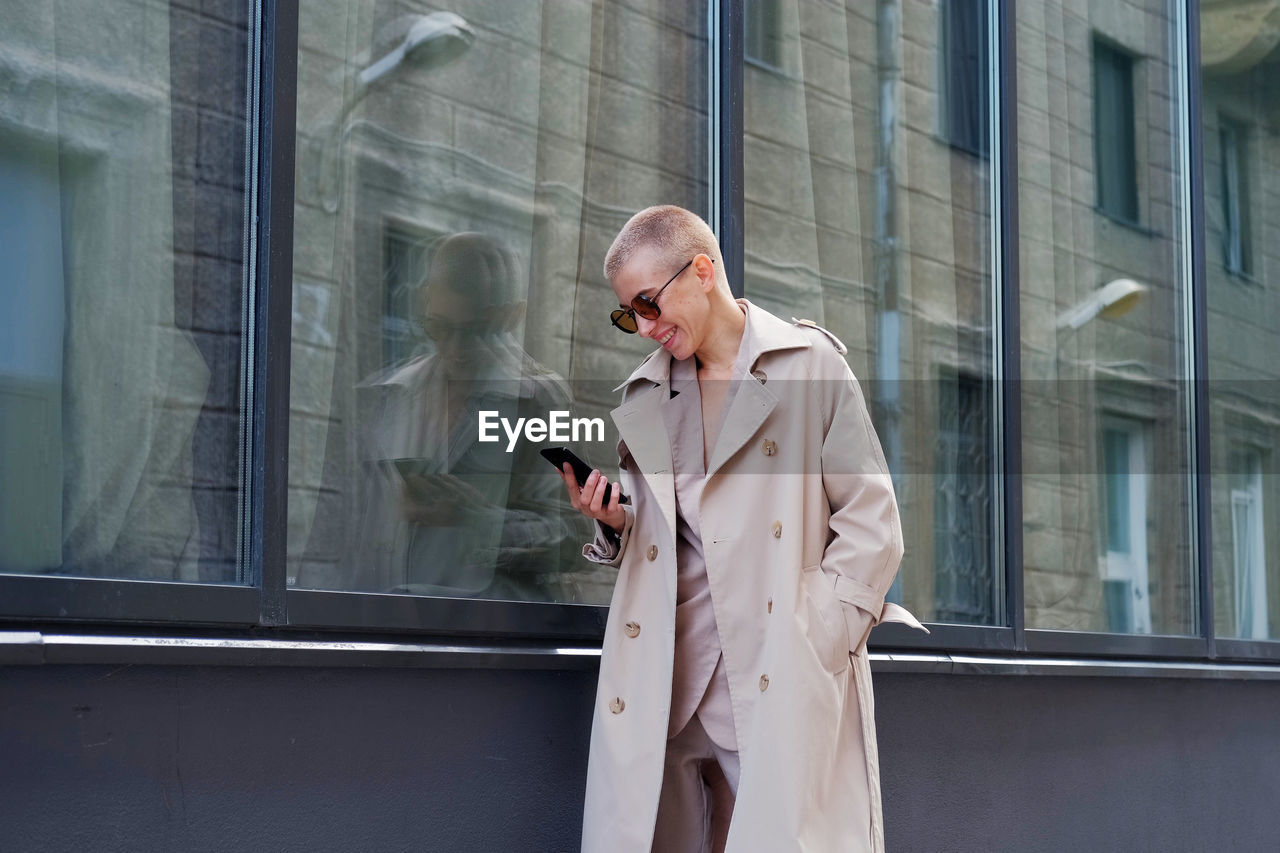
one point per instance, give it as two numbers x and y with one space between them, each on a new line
589 500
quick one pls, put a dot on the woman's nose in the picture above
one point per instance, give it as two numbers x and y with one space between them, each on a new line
645 326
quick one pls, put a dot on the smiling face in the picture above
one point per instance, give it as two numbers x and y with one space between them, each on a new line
685 307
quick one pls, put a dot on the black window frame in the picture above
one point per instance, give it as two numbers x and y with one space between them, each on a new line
268 606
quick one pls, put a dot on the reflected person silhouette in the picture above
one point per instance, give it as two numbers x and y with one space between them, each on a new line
443 513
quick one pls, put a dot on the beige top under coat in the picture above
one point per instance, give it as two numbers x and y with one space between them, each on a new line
700 683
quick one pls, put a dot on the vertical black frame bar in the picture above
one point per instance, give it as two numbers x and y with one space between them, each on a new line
273 306
1201 449
727 52
1010 380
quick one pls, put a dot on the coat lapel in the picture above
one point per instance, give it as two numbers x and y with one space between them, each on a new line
751 404
643 429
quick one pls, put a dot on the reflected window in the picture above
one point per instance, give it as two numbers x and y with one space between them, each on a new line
763 32
1115 148
405 259
1237 252
965 589
964 78
1125 577
1248 546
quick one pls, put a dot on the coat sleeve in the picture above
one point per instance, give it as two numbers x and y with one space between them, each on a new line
864 546
608 547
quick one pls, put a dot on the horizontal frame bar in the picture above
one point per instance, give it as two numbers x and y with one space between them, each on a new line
925 664
61 597
1227 648
34 648
455 617
1085 644
326 615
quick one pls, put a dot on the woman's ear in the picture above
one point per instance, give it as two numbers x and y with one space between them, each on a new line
705 268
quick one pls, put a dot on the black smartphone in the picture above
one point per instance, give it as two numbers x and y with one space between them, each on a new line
557 456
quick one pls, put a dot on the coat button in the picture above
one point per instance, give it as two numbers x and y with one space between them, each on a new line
777 530
769 447
632 629
769 606
616 705
653 552
764 683
760 376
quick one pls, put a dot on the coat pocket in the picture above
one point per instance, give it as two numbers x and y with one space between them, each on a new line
826 632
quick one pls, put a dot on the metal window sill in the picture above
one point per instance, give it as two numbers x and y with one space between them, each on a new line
36 648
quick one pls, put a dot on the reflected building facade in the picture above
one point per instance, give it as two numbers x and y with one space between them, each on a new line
122 150
868 191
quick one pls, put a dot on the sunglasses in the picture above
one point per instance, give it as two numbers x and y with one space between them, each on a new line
644 305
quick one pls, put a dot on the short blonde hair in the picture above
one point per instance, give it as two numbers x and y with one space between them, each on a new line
678 233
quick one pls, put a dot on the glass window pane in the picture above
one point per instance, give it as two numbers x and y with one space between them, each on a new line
1106 512
1240 72
122 140
461 175
868 211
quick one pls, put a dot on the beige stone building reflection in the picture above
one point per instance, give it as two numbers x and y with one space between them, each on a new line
868 208
121 203
1241 70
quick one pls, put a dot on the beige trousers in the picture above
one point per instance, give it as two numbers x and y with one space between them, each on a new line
699 783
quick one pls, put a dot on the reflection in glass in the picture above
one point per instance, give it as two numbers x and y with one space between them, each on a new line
122 142
1105 448
1240 73
441 513
867 191
461 174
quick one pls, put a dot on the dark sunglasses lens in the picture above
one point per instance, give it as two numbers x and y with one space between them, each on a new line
645 307
624 321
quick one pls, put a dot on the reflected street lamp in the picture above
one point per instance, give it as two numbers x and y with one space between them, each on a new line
430 41
1112 300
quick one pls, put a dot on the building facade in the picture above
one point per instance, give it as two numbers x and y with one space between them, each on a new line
269 262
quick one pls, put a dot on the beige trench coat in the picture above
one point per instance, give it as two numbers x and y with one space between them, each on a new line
802 541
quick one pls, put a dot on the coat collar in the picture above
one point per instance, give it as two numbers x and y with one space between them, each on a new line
766 333
642 427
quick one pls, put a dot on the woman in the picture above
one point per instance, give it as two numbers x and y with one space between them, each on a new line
754 559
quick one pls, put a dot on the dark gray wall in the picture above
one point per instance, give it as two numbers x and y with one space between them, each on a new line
212 758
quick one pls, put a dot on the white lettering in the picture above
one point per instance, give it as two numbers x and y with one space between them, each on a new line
589 425
487 424
559 425
512 434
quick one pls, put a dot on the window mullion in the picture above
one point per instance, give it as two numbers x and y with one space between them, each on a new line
272 307
1005 281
